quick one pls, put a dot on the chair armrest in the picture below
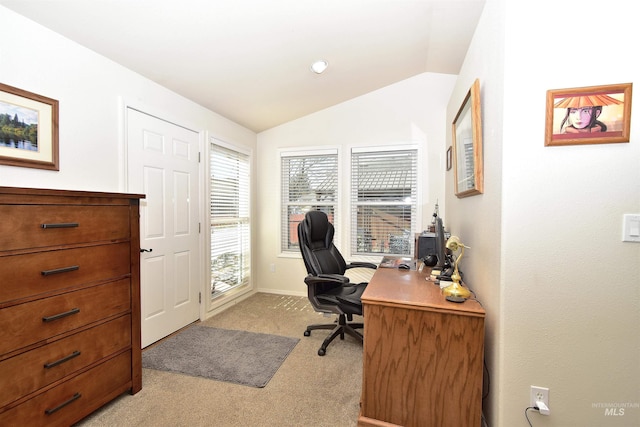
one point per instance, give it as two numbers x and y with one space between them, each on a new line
361 265
324 278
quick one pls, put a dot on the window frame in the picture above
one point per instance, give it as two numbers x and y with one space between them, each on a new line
246 271
343 207
284 204
353 205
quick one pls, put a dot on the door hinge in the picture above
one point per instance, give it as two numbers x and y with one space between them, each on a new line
199 297
199 227
199 159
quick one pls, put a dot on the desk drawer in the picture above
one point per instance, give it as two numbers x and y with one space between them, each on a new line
72 400
36 226
30 371
33 274
36 321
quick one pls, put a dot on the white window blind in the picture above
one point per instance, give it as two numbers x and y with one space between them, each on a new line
309 182
230 233
383 202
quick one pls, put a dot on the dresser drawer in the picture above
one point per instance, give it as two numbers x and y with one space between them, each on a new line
72 400
36 226
28 372
29 275
36 321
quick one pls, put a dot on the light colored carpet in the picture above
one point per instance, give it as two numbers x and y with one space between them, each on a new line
239 357
307 390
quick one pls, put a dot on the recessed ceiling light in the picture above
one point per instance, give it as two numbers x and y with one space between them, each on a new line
319 66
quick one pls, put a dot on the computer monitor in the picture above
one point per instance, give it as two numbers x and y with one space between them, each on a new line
441 241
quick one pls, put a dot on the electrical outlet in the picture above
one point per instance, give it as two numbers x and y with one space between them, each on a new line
540 394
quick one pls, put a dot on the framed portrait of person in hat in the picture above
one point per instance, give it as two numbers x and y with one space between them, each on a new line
588 115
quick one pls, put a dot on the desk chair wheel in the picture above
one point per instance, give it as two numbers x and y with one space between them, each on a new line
323 350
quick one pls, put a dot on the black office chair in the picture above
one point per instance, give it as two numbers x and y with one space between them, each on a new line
328 288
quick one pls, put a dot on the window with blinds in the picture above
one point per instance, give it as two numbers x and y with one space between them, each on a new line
309 182
383 201
230 233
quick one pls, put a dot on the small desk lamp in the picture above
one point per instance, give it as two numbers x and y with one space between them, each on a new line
456 292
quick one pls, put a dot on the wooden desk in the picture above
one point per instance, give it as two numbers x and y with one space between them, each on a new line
423 355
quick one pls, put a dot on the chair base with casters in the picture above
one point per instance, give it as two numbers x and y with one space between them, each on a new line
343 301
341 326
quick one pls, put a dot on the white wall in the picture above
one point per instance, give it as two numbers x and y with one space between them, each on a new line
477 219
89 89
412 110
561 289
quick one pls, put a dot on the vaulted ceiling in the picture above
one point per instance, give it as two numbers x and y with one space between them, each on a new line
249 60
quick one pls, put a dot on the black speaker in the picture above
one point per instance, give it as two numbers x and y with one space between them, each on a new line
426 245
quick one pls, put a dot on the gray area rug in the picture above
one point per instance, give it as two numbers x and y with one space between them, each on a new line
240 357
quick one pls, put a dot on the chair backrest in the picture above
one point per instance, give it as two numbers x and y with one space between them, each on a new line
315 235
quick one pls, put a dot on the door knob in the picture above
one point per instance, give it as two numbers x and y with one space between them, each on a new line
146 250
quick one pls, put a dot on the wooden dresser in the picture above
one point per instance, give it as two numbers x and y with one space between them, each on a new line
69 303
423 356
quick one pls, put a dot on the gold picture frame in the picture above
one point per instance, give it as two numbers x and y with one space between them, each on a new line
588 115
467 145
28 129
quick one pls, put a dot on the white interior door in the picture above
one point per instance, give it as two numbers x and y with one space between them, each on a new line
163 164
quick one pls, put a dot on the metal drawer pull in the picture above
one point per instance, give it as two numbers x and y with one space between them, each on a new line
63 404
61 361
60 270
61 315
61 225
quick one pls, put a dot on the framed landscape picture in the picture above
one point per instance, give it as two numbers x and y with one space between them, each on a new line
28 129
588 115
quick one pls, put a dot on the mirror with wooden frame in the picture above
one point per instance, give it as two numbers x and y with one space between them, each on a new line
467 145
